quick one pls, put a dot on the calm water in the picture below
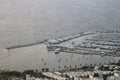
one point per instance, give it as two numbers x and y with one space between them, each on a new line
29 21
37 57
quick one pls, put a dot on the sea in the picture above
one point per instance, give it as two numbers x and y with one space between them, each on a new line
30 21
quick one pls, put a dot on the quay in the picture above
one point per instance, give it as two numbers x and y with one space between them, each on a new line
74 50
83 51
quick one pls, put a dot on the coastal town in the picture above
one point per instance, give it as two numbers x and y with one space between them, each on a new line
101 43
108 71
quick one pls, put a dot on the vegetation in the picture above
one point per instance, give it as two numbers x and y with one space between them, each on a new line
5 75
96 75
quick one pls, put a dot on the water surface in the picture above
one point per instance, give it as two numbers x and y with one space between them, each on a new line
29 21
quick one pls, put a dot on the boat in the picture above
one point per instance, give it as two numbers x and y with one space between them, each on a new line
57 50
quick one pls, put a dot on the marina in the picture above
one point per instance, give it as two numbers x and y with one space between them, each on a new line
59 55
95 45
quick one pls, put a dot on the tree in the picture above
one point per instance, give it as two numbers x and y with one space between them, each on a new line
118 61
29 72
109 62
70 66
75 66
91 65
100 64
67 76
96 75
47 69
36 70
43 69
59 68
72 78
86 64
105 63
8 74
53 69
65 66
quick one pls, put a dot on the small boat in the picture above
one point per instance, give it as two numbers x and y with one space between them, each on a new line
57 50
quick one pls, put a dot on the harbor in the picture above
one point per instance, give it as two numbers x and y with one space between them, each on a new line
60 40
59 55
98 43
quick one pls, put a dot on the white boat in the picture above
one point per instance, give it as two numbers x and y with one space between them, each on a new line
57 50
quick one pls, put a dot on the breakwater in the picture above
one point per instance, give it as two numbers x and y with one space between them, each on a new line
53 41
26 45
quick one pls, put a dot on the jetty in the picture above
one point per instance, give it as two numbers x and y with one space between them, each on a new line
26 45
52 41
